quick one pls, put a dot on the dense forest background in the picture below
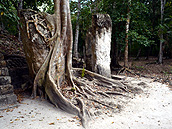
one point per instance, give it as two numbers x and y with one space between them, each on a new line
150 24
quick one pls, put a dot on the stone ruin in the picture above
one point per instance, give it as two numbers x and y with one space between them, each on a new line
7 95
98 45
14 75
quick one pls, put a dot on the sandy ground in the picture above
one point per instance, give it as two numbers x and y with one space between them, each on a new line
149 110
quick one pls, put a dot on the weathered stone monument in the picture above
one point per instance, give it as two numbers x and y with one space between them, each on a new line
7 95
98 45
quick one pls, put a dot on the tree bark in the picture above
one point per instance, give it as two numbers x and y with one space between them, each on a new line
161 35
114 52
77 32
138 54
126 38
20 6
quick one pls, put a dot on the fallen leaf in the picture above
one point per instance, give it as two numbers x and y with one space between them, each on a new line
8 110
37 97
1 116
112 122
58 119
24 103
12 122
52 123
17 119
76 117
72 121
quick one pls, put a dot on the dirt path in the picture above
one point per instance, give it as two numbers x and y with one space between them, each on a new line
150 110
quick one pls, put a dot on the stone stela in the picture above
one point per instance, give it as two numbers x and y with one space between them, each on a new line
98 45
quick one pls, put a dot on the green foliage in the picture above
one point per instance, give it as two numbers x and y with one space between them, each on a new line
140 39
83 72
84 20
145 26
46 6
9 13
73 89
139 68
8 18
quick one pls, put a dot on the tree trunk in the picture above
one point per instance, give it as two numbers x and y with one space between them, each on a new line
114 52
149 51
47 41
20 6
138 54
161 35
2 25
77 32
126 38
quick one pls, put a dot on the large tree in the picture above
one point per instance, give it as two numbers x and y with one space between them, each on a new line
48 45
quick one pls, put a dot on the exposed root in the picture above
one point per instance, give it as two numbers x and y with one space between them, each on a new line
40 76
102 103
81 96
114 93
125 70
104 94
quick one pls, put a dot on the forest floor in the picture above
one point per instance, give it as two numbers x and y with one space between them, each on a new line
150 109
151 69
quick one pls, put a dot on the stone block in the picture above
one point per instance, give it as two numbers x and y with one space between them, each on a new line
98 45
5 80
6 89
4 71
8 99
3 100
11 99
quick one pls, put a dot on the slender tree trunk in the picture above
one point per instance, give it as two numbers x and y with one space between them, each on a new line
161 36
2 24
77 32
114 52
138 54
20 6
126 38
149 52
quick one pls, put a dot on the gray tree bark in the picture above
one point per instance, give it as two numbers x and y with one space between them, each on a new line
77 32
20 6
161 31
126 38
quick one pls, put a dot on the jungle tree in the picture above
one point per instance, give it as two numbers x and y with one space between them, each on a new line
48 45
